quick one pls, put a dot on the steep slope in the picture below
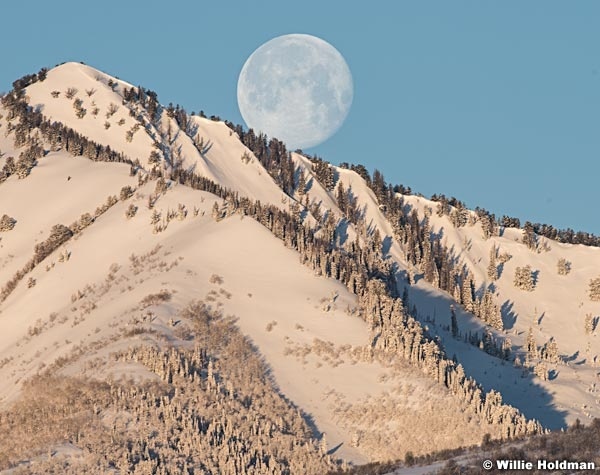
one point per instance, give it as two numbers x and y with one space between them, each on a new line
143 248
138 259
101 98
555 309
300 323
137 130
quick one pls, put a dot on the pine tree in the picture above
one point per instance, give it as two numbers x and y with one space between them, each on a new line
589 324
131 210
492 269
467 293
486 226
341 198
529 238
551 351
563 266
532 351
541 371
7 223
495 319
301 183
506 348
595 289
524 279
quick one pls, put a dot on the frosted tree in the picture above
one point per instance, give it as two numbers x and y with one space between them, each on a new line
467 293
492 269
589 324
541 371
524 279
594 289
126 192
131 211
341 198
487 226
529 238
531 345
301 183
161 186
7 223
563 266
495 318
551 351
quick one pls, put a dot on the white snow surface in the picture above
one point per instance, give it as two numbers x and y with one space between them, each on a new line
278 301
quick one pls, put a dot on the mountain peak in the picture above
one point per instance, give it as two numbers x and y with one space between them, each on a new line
205 220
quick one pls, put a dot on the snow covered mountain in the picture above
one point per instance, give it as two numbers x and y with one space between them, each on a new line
374 321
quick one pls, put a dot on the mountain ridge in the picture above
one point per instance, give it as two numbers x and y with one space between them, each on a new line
391 265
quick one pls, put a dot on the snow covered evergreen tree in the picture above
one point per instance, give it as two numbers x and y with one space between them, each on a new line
7 223
589 324
529 238
532 350
492 269
594 290
524 279
563 266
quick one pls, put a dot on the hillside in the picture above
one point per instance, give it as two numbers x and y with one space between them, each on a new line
191 245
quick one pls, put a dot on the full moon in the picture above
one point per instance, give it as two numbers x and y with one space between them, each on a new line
296 88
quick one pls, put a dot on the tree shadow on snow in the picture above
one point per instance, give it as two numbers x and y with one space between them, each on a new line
509 317
386 245
333 450
519 389
342 231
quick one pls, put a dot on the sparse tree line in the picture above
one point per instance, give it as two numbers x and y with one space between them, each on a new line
492 225
30 124
59 234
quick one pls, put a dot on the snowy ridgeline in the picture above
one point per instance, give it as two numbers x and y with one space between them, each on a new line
405 302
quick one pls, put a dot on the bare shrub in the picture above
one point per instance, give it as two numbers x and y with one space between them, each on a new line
70 92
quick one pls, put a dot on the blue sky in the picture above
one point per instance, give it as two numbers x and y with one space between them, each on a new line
496 103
